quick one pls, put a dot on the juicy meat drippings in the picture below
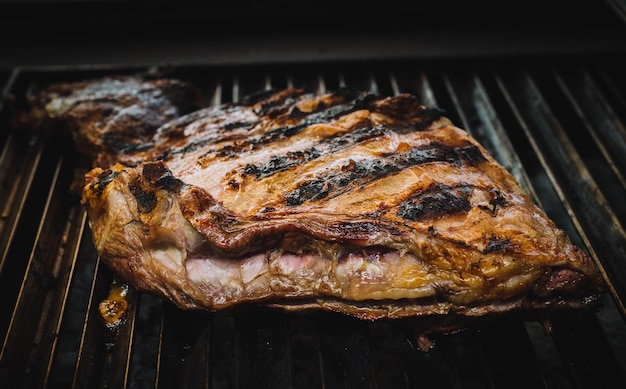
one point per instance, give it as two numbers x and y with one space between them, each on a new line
371 206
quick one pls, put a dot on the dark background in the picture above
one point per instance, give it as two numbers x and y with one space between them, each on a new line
138 32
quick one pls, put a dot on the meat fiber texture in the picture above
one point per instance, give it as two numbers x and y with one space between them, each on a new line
372 206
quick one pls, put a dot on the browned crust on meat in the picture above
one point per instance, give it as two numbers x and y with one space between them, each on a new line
229 199
108 118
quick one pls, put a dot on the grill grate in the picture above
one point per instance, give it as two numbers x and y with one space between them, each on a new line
556 123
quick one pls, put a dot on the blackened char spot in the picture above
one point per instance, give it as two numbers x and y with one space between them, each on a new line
436 152
357 173
428 116
406 107
497 245
146 199
103 180
436 201
278 163
471 155
157 173
296 113
309 191
498 200
187 148
273 111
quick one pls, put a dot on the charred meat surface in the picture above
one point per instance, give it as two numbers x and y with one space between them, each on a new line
111 117
372 206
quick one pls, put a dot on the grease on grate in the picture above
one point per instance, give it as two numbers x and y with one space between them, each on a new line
113 310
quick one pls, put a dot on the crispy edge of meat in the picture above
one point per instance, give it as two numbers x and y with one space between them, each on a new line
151 250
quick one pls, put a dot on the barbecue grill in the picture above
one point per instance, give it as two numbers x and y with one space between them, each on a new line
551 107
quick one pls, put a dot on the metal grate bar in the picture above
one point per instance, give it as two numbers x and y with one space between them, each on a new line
583 346
263 349
18 163
67 256
46 283
577 189
482 121
19 337
598 117
424 90
146 338
75 309
185 357
26 228
103 361
612 83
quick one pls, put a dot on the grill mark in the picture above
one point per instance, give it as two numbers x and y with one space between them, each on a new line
286 106
280 163
335 143
438 152
436 201
358 173
253 143
273 109
175 129
187 148
326 146
200 143
324 116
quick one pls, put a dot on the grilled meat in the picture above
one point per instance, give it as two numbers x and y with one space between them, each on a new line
108 117
376 207
372 206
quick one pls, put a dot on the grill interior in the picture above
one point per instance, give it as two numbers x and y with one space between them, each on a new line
557 123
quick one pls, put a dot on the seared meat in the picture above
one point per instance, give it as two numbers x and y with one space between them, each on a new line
109 117
372 206
367 205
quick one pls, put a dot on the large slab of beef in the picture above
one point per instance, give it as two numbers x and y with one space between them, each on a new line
372 206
